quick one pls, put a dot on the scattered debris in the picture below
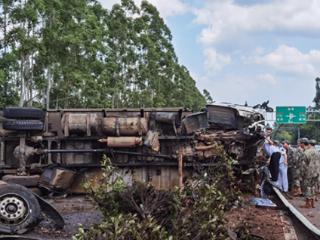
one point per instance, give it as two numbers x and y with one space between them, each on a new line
262 202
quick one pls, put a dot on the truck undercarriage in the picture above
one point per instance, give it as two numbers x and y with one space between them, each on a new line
57 150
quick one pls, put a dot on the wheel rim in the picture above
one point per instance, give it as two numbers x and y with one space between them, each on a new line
13 209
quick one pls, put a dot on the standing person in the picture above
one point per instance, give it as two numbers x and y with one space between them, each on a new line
274 155
313 144
290 158
298 157
283 169
309 174
277 160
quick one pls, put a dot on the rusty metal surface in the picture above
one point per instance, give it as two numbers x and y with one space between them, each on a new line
222 117
152 141
124 126
62 178
195 122
160 177
87 123
121 141
27 181
165 117
57 179
168 109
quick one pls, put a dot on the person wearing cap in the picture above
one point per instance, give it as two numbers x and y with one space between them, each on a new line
313 143
298 157
309 174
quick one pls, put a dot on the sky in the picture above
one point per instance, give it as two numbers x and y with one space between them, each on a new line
247 50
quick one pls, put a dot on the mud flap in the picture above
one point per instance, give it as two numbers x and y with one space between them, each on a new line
51 212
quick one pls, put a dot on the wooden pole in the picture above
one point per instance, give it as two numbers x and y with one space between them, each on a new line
180 167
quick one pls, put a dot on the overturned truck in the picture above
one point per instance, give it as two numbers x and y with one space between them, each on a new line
55 151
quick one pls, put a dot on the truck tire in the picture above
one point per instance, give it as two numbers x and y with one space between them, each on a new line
19 209
23 125
23 113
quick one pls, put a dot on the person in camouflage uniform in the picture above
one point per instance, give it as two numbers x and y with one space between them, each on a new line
309 174
290 160
295 159
317 166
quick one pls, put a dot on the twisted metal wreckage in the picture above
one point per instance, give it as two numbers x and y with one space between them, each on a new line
57 150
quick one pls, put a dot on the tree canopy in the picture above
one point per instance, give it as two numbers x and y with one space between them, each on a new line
75 53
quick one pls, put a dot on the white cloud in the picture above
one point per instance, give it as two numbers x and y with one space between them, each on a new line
170 8
215 61
108 3
226 19
291 60
166 9
266 78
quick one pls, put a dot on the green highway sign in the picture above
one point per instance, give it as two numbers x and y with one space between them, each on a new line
291 114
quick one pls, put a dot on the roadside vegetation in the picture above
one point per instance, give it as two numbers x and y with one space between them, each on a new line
139 211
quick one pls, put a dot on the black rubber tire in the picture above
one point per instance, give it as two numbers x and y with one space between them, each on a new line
23 125
23 113
34 210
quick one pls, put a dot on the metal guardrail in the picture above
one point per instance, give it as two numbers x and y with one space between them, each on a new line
312 228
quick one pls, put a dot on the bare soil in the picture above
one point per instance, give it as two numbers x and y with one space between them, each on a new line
76 211
262 223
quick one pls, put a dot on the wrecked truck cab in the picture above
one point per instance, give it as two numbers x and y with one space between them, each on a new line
56 151
230 116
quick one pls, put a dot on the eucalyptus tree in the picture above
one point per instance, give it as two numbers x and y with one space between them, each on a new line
147 72
19 44
74 53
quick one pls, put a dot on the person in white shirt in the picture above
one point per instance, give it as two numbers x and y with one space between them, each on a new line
278 164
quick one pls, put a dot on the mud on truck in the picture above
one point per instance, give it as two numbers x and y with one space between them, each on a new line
55 151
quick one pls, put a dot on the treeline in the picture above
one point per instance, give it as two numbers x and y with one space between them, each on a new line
75 53
291 132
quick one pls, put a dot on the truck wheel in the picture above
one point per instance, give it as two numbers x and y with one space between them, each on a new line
23 113
12 124
19 209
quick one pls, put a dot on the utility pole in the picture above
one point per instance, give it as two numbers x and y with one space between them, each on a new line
298 131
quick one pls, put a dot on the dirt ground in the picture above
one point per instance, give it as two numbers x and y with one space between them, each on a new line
262 223
76 211
268 224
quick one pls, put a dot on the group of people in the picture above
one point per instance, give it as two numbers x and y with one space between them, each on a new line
294 169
